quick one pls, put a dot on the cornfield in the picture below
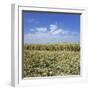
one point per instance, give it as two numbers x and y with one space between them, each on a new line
51 60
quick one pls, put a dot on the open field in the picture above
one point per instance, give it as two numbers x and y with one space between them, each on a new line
51 60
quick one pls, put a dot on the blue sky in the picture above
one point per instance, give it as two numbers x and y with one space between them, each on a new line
45 27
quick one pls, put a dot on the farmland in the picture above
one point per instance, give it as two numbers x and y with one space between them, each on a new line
42 60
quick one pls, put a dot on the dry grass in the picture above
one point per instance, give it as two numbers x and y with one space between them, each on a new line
57 60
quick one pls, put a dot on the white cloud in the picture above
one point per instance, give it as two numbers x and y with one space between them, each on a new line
31 30
53 27
53 34
44 38
41 29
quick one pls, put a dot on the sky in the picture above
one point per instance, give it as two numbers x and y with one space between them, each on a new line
46 27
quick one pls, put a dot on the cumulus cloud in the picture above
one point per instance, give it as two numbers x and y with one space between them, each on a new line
52 27
55 29
53 34
41 29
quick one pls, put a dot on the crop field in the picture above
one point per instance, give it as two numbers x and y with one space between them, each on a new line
42 60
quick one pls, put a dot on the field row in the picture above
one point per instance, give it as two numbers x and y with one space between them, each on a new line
54 47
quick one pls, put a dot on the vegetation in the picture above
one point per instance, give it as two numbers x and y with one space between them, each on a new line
51 60
54 47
